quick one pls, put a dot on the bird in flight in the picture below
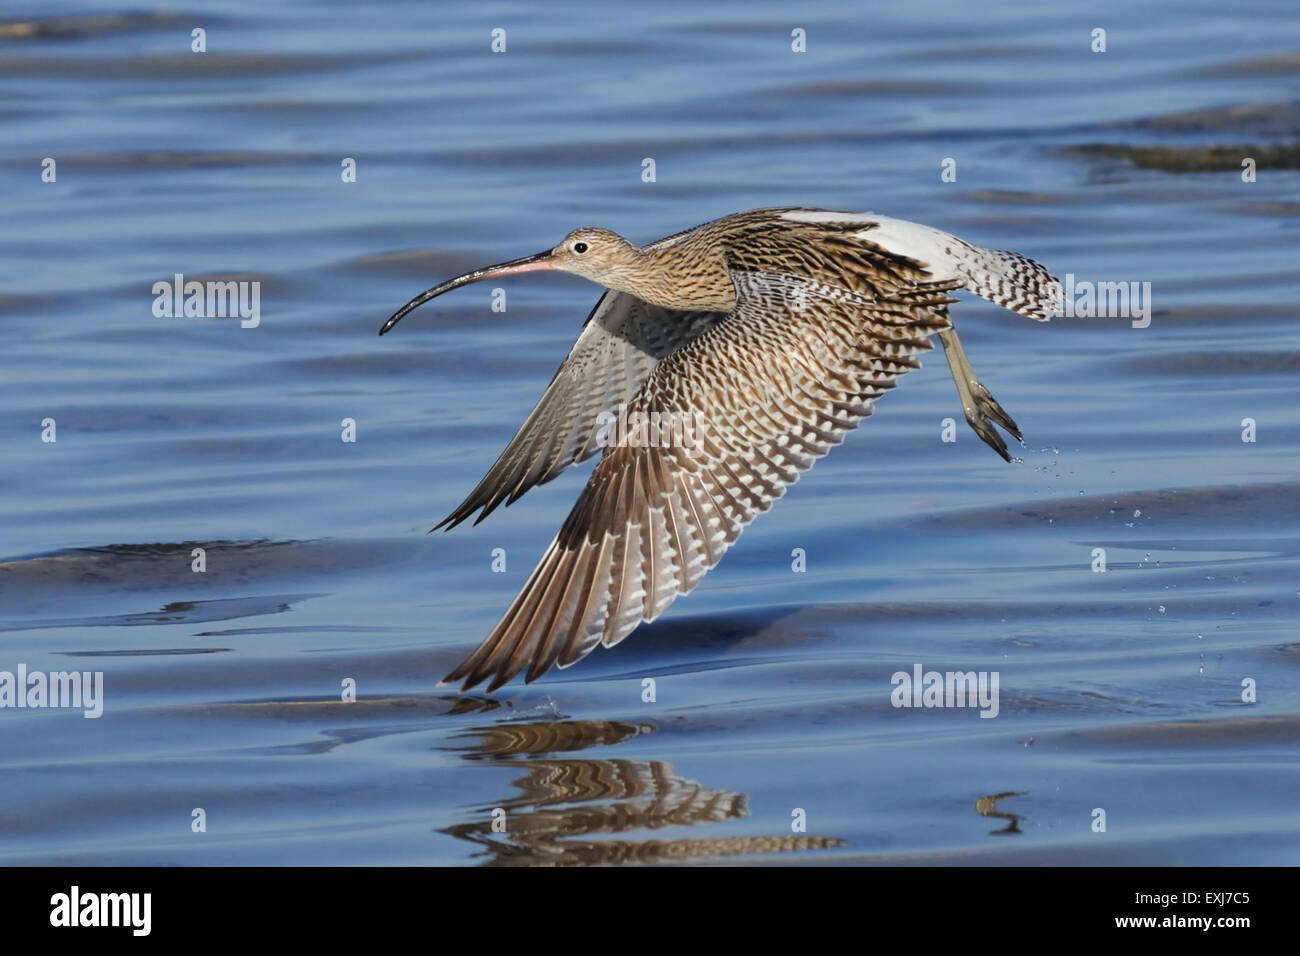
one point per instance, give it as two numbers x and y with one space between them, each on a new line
719 365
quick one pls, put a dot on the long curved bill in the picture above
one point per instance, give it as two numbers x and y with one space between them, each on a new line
543 260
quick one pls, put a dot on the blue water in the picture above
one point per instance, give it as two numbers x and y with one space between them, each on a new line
1120 691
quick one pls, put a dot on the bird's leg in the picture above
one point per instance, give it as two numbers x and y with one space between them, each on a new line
976 401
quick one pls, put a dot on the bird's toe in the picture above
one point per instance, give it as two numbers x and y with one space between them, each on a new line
990 407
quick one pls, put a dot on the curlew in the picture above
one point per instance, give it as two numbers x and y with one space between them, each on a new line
719 365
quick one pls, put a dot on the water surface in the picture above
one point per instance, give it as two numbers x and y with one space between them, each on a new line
1119 691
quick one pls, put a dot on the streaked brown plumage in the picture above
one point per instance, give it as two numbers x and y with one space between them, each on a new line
774 331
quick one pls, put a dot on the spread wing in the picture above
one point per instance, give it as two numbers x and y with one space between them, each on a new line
621 343
761 395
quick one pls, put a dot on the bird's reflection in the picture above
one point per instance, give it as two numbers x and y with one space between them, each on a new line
988 807
510 739
572 812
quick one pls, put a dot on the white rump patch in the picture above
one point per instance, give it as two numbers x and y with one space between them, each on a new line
938 251
1007 278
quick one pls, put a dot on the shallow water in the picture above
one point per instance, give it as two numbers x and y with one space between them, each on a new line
1120 691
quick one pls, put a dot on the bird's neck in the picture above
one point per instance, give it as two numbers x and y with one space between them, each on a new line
681 276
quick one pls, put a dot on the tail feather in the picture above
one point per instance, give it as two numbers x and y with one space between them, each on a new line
1009 279
1012 281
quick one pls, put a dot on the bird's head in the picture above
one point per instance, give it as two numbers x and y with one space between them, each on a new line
596 254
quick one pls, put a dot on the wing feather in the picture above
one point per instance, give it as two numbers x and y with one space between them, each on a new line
621 342
774 390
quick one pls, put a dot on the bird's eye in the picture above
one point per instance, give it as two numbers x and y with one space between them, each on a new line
579 247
